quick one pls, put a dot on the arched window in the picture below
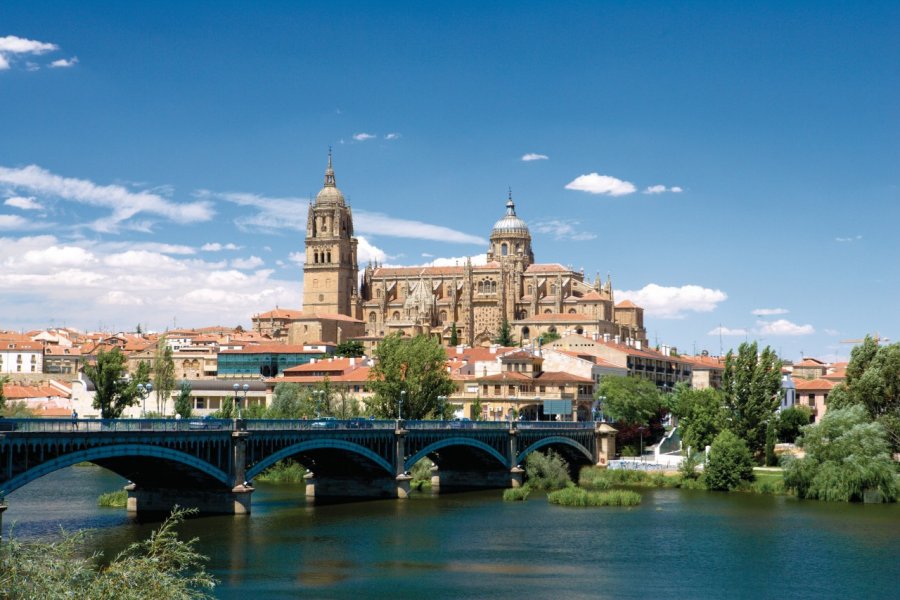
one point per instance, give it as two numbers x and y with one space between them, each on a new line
480 287
571 311
546 311
372 318
328 256
526 333
443 316
493 287
396 315
552 329
530 290
553 288
579 330
378 292
504 249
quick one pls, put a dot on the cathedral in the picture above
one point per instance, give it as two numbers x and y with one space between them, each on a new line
533 298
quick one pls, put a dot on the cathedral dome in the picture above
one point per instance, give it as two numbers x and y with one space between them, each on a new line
330 194
510 223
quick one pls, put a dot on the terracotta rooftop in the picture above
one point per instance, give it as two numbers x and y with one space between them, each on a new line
22 392
558 318
337 365
547 268
813 384
626 304
272 349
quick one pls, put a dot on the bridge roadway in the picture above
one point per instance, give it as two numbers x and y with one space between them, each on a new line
210 464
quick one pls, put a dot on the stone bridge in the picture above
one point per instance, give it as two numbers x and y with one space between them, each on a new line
210 464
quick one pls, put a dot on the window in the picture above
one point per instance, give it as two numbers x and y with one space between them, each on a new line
530 290
321 297
504 249
396 315
553 288
372 318
200 403
497 391
442 316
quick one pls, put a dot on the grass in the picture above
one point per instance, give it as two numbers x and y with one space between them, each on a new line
117 499
284 471
576 496
519 494
768 481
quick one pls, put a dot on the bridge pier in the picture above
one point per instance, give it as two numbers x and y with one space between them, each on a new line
355 487
605 446
208 502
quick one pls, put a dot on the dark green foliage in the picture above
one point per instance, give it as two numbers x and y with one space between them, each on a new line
421 474
412 365
519 494
771 459
846 454
576 496
547 471
350 349
291 402
752 388
701 415
284 471
114 391
790 420
688 467
183 401
162 566
3 381
549 336
117 499
454 335
477 410
504 335
227 411
592 477
630 399
730 463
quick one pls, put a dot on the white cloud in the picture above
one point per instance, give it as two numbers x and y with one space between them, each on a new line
362 137
123 203
298 258
726 331
216 247
563 229
247 263
290 213
366 251
534 156
16 45
453 261
427 255
673 302
4 64
392 136
595 183
848 239
12 222
767 312
660 189
25 203
44 278
832 332
783 327
63 63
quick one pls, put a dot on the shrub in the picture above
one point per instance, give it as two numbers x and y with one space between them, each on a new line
846 456
117 499
592 477
576 496
729 463
547 471
284 471
421 474
519 494
688 467
790 421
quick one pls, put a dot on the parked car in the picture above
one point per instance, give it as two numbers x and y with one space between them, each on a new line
325 423
463 423
360 423
206 422
6 425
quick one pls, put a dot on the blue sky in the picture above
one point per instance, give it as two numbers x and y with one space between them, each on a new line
138 142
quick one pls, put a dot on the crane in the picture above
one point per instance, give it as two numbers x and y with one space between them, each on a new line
875 336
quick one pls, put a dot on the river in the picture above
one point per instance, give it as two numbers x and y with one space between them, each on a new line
677 544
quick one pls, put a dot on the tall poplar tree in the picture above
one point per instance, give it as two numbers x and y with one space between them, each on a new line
752 387
163 374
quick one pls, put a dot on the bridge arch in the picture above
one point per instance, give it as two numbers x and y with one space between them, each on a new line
306 446
454 441
555 441
99 453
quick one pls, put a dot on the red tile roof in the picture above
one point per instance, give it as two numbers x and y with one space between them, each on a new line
813 384
337 365
537 269
23 392
810 362
626 304
558 318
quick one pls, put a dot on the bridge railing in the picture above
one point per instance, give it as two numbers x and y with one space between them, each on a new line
555 425
317 424
456 424
103 425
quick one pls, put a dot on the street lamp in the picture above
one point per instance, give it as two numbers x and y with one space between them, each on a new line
319 395
144 390
513 409
599 410
400 404
537 408
237 401
442 401
641 429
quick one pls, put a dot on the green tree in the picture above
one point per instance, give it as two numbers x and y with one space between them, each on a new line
477 410
752 385
183 402
701 415
162 566
114 391
547 471
790 420
413 365
771 459
730 463
3 381
290 401
548 336
163 374
846 454
504 335
454 336
873 381
350 349
630 399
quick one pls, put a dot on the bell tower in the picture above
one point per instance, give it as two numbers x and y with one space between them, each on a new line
330 272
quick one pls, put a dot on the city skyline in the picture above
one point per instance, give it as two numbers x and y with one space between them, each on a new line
732 168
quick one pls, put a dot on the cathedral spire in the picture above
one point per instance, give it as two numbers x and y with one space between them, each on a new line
329 172
510 205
